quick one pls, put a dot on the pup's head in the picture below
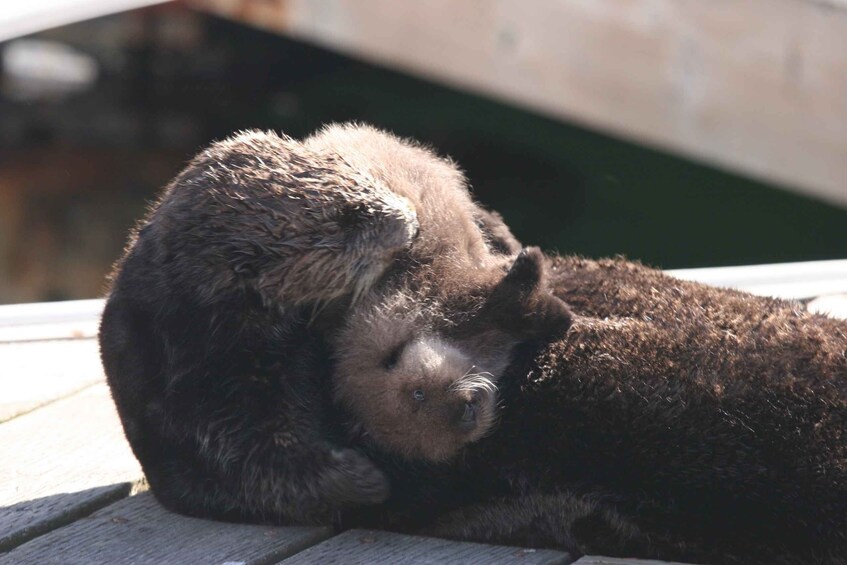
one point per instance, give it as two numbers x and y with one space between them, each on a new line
412 391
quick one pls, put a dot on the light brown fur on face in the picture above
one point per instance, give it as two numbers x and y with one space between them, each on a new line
419 356
423 385
413 391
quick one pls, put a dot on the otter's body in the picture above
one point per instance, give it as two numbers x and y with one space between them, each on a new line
420 379
214 335
211 336
708 422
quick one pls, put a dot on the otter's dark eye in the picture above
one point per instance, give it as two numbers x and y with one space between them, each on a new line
392 359
419 395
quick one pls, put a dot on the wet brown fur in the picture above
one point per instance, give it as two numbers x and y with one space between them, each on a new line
682 421
422 384
213 337
450 357
710 421
265 212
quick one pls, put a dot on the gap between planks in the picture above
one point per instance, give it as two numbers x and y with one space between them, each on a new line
61 461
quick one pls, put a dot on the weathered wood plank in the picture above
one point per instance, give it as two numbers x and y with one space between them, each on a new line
59 462
22 18
138 530
716 81
35 373
366 546
807 279
70 319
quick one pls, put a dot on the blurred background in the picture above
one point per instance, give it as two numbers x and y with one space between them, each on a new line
680 132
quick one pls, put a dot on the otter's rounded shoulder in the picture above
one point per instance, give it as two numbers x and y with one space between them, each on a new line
255 152
256 163
372 147
250 141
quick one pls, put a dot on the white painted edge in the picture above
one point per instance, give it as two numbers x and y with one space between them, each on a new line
50 312
22 17
806 279
43 332
71 319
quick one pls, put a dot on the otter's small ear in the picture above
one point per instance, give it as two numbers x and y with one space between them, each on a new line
527 273
523 304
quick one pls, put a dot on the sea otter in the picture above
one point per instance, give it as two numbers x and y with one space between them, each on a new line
214 333
673 420
422 385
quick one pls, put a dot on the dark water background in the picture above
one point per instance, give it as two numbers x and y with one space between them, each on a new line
78 167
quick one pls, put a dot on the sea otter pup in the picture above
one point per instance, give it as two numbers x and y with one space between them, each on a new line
213 338
423 386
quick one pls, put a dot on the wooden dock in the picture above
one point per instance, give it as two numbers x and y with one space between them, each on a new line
72 492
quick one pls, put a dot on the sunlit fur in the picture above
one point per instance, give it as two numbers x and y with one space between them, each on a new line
436 189
400 340
711 421
379 390
213 337
447 309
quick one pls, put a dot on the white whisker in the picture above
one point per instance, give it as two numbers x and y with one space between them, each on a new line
470 382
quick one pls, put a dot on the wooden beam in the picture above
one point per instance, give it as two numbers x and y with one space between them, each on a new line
139 530
18 18
756 86
599 560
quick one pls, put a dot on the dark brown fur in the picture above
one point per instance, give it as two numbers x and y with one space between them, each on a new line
580 523
417 372
213 335
423 385
712 422
676 420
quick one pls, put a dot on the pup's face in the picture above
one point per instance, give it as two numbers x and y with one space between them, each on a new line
412 391
436 400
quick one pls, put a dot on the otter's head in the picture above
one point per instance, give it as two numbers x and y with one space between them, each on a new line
410 390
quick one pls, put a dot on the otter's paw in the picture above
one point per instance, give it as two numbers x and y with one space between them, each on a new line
536 312
353 478
387 225
527 271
